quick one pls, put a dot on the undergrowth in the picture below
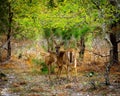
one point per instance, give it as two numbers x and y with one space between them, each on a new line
39 66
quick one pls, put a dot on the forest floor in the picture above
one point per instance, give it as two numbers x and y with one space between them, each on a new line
21 81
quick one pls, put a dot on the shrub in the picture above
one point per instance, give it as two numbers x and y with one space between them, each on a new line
39 66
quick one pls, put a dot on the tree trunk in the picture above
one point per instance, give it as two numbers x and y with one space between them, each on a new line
113 57
9 33
82 47
113 36
114 54
107 73
108 67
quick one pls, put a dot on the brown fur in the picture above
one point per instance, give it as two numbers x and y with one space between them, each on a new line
65 60
50 60
69 61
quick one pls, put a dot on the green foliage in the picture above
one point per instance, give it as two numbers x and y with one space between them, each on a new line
3 16
89 38
68 17
47 32
40 64
36 63
78 32
26 16
44 69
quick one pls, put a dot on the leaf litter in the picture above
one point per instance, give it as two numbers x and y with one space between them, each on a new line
22 82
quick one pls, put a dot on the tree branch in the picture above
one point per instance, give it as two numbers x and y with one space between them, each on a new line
118 41
97 53
96 5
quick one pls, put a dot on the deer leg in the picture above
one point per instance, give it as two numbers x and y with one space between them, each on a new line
67 70
75 72
59 71
75 68
49 71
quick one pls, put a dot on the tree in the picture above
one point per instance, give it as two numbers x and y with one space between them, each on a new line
109 19
113 35
6 20
66 15
9 31
73 18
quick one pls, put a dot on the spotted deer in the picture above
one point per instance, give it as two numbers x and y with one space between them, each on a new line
66 58
70 60
50 60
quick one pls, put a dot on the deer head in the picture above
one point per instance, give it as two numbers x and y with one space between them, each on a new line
58 47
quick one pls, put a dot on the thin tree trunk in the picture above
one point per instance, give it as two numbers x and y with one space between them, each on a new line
9 32
107 73
108 67
82 47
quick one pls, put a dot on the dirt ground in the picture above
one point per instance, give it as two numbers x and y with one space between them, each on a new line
22 81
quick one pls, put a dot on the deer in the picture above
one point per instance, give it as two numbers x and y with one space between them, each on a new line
66 58
62 58
50 59
70 60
